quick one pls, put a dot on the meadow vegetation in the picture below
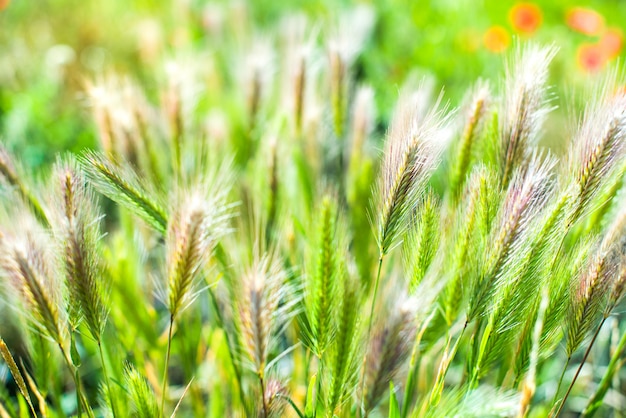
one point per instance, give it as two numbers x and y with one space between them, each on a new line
247 240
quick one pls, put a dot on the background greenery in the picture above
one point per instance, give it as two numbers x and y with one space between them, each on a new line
48 50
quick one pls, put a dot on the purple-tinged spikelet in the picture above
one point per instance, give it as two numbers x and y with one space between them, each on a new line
524 107
412 152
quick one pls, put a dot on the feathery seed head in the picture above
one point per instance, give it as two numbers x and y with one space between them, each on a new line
350 34
412 151
324 270
525 197
263 286
475 108
77 231
26 261
195 226
121 184
599 146
590 293
524 106
389 348
275 398
142 396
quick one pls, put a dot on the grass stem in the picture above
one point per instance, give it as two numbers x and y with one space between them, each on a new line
167 363
81 399
263 401
369 329
106 379
582 363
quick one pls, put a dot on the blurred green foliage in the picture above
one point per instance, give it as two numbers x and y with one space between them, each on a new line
49 49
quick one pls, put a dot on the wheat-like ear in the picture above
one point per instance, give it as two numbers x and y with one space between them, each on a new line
120 184
481 402
78 233
276 395
11 175
475 109
198 222
422 241
412 151
589 294
322 280
389 349
344 352
519 284
614 242
525 196
598 148
17 375
27 262
142 396
524 106
261 316
479 203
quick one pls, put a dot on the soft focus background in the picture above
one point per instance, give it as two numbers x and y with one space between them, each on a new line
51 50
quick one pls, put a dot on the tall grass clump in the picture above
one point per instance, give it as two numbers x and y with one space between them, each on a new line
237 246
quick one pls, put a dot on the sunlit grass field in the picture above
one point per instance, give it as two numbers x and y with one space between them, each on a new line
313 208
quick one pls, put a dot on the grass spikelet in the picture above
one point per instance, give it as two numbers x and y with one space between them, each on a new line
480 402
598 148
262 317
77 230
263 286
525 273
11 175
197 223
524 198
412 151
17 375
477 103
121 185
390 348
615 239
142 396
474 222
322 280
194 228
618 289
276 396
344 351
589 298
26 262
422 241
524 106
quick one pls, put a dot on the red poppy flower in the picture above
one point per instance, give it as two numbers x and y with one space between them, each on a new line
611 42
496 39
525 17
591 57
586 21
